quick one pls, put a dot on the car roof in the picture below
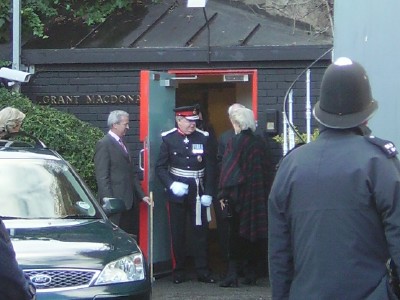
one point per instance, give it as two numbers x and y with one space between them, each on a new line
16 149
27 154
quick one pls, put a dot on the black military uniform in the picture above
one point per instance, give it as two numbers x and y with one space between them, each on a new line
185 159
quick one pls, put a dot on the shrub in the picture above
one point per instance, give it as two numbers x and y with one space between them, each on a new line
74 139
280 138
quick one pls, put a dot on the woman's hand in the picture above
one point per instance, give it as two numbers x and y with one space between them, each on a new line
223 203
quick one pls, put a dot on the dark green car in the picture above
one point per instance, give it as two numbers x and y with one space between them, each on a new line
62 237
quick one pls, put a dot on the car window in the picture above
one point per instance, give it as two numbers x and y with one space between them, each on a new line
36 188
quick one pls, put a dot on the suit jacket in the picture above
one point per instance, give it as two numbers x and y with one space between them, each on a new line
115 173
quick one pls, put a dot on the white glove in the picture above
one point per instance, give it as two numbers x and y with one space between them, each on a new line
206 200
179 188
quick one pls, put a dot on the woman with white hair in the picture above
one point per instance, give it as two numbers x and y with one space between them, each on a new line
243 189
10 120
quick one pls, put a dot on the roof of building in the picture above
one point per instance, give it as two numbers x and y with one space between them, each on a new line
171 24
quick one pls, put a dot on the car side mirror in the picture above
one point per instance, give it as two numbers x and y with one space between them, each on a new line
113 206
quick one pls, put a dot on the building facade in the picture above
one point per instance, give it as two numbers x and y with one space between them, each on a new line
91 82
173 57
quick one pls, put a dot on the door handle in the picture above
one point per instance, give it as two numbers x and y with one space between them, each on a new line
141 166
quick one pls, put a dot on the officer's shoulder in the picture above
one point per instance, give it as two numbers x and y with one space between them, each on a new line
387 147
165 133
288 153
205 133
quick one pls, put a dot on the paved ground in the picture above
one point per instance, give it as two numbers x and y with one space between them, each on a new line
164 289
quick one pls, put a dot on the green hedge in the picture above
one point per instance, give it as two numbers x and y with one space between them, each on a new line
74 139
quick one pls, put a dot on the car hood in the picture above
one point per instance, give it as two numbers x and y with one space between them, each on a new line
68 243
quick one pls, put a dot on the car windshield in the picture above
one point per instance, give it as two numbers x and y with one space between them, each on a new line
41 188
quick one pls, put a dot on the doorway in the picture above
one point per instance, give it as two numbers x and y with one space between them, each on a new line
215 91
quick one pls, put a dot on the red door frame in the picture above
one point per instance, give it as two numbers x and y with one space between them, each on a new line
143 133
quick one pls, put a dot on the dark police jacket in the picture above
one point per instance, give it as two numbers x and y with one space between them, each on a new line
189 153
13 283
334 219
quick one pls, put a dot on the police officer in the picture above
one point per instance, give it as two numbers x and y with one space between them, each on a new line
186 169
334 207
14 285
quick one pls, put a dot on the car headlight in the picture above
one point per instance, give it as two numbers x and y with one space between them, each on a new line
128 268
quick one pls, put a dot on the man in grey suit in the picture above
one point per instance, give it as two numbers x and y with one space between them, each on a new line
115 173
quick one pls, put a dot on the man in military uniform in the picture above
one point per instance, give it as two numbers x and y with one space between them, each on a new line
186 169
334 206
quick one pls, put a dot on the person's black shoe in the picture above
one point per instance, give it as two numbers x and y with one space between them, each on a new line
249 281
206 278
229 281
177 279
250 277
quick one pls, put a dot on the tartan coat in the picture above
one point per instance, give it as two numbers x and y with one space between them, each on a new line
245 180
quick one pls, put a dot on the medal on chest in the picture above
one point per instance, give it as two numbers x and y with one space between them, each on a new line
186 140
197 149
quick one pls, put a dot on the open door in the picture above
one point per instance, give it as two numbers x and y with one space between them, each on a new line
157 100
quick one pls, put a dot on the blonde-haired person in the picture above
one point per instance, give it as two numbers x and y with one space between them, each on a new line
242 118
243 189
228 134
10 120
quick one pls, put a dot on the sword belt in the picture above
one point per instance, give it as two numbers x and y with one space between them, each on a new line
187 173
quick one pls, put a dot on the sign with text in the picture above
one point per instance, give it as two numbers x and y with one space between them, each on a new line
88 99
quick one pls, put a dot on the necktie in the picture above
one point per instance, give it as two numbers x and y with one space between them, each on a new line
122 145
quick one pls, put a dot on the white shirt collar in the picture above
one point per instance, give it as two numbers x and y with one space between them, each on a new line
116 137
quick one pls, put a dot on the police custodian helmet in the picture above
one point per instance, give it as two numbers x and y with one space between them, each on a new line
346 100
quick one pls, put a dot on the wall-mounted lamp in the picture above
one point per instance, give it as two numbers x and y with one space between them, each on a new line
196 3
236 77
194 77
